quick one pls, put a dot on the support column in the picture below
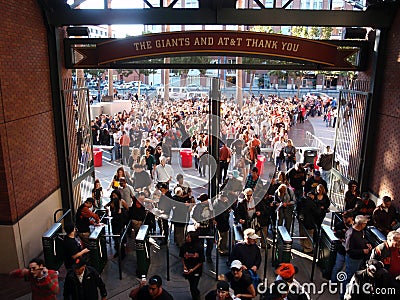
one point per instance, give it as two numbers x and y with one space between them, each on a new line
377 67
214 134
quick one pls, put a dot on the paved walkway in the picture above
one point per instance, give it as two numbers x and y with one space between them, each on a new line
177 285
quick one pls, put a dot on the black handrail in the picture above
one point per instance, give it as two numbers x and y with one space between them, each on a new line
316 253
216 238
62 217
265 253
336 215
121 238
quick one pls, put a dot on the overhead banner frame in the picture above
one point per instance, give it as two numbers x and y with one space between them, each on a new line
110 53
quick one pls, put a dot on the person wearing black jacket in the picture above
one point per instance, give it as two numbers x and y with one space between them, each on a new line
247 252
356 245
119 210
137 211
72 246
83 283
262 214
340 232
274 185
180 217
308 213
192 256
313 182
297 177
222 211
246 208
323 203
352 196
369 283
165 206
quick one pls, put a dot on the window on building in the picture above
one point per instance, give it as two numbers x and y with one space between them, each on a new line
269 3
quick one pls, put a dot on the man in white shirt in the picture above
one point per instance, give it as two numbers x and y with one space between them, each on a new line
163 172
277 150
117 148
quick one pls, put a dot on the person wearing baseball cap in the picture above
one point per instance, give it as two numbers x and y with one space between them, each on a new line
366 206
313 182
220 293
374 277
286 272
240 281
83 282
248 252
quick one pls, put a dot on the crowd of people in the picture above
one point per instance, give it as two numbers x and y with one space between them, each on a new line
142 192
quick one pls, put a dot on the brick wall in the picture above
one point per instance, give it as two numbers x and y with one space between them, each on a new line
28 158
384 179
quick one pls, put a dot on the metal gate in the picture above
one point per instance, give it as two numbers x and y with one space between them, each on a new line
79 139
349 137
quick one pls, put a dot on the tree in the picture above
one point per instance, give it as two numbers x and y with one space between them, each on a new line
190 59
265 29
96 73
253 60
124 73
326 33
313 33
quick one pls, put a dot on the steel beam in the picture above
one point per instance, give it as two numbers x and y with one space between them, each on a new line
375 17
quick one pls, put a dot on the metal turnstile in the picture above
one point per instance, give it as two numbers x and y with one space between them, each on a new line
374 236
142 251
52 241
98 248
329 245
283 249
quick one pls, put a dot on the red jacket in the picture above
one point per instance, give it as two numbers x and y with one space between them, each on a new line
42 289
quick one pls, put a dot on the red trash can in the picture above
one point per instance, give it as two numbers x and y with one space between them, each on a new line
260 164
186 158
97 157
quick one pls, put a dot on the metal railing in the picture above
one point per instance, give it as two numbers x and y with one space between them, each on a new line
120 244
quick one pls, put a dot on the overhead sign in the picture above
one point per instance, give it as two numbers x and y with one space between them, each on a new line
234 43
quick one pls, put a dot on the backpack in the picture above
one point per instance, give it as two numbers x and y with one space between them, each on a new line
255 279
